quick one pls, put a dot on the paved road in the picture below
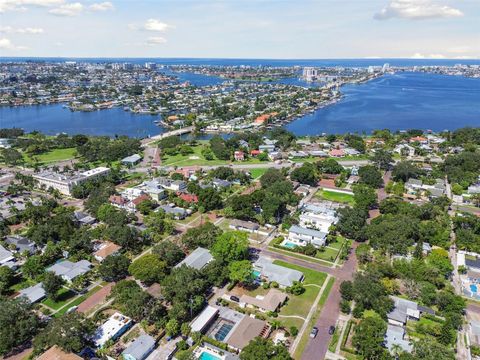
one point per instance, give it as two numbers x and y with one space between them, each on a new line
318 347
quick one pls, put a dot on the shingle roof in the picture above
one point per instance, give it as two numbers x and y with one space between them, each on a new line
141 347
33 293
197 259
269 302
280 274
309 232
246 330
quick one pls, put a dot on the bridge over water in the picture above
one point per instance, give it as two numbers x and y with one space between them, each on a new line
182 131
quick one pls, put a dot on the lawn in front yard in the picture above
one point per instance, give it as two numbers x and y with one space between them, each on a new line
300 305
256 173
65 295
328 254
335 196
338 243
78 300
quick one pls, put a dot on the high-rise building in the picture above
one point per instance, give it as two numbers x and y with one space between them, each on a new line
150 66
310 73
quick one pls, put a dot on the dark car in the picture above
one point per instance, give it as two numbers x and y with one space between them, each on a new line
331 330
314 332
234 298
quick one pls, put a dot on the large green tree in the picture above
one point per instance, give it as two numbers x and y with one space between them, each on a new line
114 267
231 246
71 332
369 337
52 283
263 349
148 269
18 323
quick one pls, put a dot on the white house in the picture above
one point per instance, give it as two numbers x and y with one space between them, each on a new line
112 329
302 236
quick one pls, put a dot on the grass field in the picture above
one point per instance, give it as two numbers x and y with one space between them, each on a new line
52 156
196 158
335 196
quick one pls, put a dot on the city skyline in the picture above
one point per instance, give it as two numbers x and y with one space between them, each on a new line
233 29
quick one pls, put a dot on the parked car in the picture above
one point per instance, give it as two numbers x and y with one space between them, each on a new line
331 330
234 298
314 332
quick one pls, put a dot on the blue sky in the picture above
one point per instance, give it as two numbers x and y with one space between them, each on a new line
296 29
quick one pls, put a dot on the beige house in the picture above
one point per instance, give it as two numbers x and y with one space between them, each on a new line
272 301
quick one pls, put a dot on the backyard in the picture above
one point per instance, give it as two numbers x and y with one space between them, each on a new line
335 196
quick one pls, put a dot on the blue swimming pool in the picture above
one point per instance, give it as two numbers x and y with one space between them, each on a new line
207 356
473 288
256 274
289 244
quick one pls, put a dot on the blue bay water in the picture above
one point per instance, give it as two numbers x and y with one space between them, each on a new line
54 119
399 101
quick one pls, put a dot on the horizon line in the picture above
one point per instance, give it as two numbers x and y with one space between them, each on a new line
237 58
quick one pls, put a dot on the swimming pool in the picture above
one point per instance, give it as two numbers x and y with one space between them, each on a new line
222 333
289 244
208 356
256 274
473 288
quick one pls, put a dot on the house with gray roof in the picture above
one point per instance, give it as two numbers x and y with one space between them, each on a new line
140 348
33 293
302 236
69 270
176 212
21 244
198 259
273 272
6 256
403 310
131 160
395 336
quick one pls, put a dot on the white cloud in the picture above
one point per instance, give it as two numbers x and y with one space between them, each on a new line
6 44
416 10
155 25
71 9
430 56
27 30
156 40
104 6
18 5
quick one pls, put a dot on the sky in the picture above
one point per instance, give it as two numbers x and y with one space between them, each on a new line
263 29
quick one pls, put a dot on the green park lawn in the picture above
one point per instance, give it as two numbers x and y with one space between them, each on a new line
52 156
335 196
196 158
191 159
